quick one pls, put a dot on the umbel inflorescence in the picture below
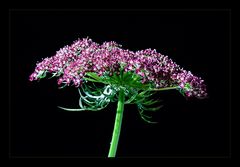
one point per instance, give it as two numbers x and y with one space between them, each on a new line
72 63
124 76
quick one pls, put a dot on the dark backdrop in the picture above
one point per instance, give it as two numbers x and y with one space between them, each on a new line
196 40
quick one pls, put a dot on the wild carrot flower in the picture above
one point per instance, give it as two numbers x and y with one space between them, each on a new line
133 76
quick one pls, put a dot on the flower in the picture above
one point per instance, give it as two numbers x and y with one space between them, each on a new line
72 63
132 75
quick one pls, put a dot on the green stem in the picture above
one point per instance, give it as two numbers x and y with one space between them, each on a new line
167 88
117 125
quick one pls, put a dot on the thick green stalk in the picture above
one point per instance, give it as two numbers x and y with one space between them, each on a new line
117 125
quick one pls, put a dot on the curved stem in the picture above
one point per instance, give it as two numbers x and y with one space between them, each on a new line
117 125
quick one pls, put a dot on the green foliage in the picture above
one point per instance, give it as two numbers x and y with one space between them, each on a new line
95 97
41 74
186 87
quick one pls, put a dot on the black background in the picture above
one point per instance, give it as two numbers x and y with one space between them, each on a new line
197 40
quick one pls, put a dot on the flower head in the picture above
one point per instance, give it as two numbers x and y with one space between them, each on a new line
72 63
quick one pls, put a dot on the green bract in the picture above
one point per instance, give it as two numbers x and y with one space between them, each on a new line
94 97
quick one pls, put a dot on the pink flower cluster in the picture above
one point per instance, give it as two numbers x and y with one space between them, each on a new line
71 63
